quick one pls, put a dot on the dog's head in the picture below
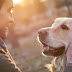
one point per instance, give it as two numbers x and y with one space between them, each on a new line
56 39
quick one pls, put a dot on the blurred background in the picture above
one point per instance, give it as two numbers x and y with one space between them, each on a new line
30 16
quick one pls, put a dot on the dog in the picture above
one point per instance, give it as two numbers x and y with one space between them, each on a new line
55 41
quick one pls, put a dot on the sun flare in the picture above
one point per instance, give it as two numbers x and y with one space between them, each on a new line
17 1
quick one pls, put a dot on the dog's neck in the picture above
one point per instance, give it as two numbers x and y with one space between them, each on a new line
58 64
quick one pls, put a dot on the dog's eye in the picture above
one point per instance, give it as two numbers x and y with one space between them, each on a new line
64 27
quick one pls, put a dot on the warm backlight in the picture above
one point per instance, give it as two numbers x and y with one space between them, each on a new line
17 1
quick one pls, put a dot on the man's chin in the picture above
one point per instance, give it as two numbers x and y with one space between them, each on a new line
3 37
3 34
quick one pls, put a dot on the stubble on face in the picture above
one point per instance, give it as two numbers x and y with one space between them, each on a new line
4 18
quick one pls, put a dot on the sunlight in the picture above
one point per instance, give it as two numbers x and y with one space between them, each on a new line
17 1
42 0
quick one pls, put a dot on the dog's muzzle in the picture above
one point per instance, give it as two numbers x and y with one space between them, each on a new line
48 50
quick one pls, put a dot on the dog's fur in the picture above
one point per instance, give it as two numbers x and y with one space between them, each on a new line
57 37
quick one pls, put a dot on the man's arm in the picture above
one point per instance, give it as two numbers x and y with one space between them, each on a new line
6 64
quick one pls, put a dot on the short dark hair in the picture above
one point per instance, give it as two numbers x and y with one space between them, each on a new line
1 3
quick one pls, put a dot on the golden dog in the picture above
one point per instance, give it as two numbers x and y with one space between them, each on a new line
55 41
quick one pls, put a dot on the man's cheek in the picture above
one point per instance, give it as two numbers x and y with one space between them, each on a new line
6 31
3 23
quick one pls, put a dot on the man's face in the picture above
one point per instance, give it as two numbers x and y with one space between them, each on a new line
5 18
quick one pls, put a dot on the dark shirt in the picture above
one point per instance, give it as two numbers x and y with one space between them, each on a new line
7 63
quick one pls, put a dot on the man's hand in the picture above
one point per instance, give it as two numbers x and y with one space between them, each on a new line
69 54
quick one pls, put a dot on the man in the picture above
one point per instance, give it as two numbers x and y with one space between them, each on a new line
7 64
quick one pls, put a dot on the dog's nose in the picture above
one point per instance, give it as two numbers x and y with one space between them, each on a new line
42 32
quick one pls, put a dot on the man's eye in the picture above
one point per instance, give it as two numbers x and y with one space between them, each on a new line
64 27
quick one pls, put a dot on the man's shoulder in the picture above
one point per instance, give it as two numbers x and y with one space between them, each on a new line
6 64
2 52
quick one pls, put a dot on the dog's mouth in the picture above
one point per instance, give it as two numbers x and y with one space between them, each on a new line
52 51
